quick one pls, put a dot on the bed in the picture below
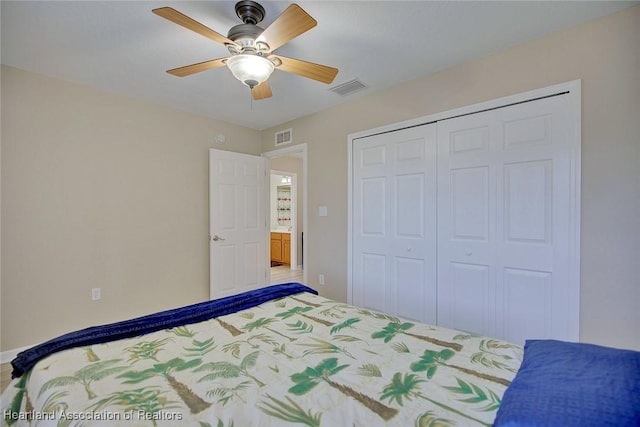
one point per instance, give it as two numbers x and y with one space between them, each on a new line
282 355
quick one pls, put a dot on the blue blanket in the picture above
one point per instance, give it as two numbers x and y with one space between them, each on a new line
573 385
154 322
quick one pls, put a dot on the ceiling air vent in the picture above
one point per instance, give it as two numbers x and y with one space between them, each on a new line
283 137
347 88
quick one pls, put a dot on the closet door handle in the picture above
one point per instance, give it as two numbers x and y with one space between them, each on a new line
215 238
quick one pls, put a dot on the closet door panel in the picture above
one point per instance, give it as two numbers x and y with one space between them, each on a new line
410 288
503 209
466 224
469 203
527 304
409 206
469 293
527 214
534 204
373 200
394 214
370 220
373 273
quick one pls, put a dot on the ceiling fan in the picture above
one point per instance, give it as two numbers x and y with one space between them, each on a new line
252 58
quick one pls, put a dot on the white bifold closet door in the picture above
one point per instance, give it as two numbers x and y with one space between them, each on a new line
503 222
394 223
471 222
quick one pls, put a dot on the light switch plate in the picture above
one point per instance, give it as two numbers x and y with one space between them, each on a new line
322 211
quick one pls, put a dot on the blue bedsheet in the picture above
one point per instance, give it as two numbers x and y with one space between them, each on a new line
154 322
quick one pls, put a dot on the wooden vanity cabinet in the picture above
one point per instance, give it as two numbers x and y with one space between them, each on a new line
281 247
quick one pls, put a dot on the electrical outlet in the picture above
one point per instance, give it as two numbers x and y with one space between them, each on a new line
321 279
95 294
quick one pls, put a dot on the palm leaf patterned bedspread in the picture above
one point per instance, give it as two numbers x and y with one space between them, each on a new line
302 359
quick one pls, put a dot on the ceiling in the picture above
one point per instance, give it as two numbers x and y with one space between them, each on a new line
121 47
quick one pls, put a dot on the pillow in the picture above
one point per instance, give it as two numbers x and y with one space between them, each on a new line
573 384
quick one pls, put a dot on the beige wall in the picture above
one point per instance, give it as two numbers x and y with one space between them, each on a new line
100 191
605 54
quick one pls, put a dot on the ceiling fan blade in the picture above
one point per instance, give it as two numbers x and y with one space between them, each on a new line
187 70
191 24
321 73
290 24
262 91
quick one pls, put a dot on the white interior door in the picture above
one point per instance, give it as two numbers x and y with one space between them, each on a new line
504 203
238 188
393 223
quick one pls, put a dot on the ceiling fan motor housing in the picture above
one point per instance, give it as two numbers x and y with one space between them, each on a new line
244 35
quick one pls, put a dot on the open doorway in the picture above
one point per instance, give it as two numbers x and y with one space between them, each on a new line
283 214
288 214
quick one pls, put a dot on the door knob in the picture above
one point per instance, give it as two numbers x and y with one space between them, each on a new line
215 238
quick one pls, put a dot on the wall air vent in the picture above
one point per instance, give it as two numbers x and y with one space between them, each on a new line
347 88
283 137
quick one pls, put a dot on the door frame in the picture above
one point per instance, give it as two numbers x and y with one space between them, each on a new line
300 149
572 89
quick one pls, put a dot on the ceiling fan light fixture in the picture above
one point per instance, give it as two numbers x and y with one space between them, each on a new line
250 69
